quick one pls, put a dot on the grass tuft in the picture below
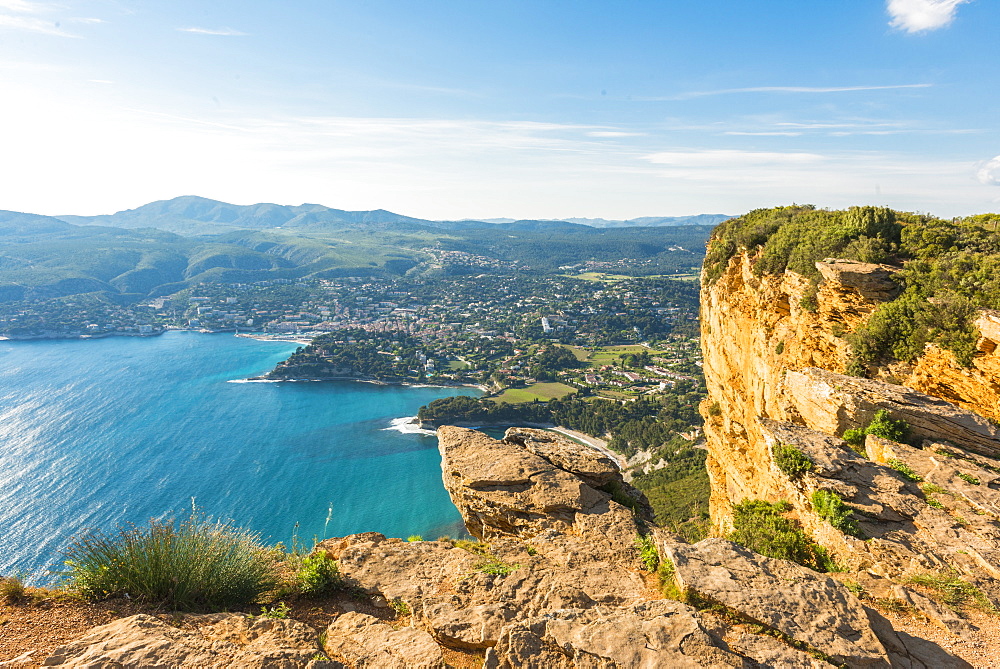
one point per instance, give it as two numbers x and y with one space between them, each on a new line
12 590
904 469
196 564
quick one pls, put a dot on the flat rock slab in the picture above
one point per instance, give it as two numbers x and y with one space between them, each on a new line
222 640
362 641
806 606
648 635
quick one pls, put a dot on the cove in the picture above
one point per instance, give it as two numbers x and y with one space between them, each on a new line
99 433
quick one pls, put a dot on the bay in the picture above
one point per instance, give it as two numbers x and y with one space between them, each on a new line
99 433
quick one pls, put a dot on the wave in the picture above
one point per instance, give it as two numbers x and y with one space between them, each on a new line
408 425
253 381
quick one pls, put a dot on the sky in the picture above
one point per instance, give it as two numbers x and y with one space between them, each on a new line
470 109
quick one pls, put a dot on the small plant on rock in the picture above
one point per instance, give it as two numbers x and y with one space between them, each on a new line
318 575
400 607
830 507
904 469
648 555
884 426
791 461
968 478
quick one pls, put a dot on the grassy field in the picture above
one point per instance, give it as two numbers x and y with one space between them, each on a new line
539 391
457 365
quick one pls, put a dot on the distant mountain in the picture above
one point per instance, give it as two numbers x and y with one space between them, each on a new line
163 247
644 221
191 215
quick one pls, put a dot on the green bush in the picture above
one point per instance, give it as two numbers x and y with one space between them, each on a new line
830 507
761 527
790 460
882 425
318 575
196 564
887 428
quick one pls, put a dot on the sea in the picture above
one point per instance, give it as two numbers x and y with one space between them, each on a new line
96 435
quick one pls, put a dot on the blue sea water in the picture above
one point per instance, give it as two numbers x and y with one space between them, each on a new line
95 434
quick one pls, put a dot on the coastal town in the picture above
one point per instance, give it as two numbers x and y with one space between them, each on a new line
621 336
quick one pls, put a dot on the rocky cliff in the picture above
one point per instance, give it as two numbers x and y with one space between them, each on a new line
775 375
554 578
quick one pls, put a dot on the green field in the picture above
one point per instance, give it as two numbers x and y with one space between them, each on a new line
457 365
539 391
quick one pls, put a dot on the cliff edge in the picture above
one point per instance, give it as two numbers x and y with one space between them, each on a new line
560 574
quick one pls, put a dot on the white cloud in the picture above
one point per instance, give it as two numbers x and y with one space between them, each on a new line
989 172
731 158
223 32
916 16
782 89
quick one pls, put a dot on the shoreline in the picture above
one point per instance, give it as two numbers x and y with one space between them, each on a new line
377 382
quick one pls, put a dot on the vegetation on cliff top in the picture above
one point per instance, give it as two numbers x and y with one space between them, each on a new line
949 270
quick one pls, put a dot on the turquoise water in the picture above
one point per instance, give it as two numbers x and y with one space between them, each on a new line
98 433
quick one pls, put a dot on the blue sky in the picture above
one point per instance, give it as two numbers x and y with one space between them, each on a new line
524 109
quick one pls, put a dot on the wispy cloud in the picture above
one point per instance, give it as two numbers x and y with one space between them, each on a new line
33 24
34 17
916 16
781 89
731 158
613 133
222 32
989 172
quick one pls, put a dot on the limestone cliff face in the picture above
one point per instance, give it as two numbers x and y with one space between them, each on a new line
774 372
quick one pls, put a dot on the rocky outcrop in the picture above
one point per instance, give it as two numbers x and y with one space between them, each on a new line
553 582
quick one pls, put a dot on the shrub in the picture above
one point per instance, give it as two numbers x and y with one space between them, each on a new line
887 428
12 590
318 575
881 426
196 564
791 460
648 555
830 507
761 527
854 437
